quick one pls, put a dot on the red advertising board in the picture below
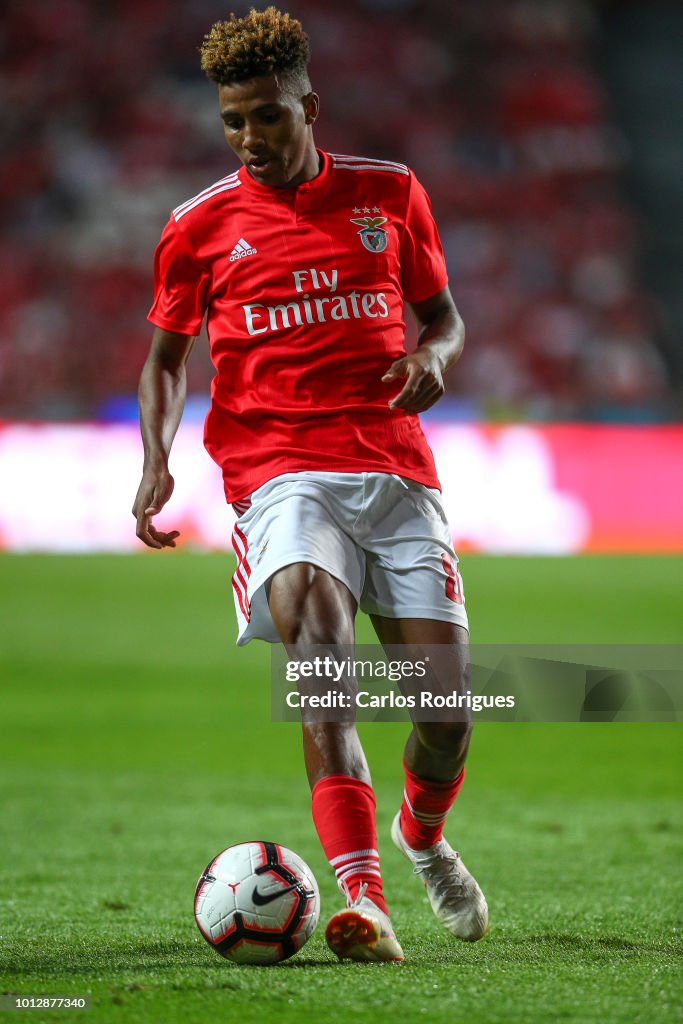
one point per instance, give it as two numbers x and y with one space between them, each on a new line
515 488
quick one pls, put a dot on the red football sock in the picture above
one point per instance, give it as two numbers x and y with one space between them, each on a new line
344 817
425 808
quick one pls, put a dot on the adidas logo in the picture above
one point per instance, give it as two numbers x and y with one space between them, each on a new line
241 250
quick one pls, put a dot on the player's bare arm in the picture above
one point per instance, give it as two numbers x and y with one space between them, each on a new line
440 344
161 395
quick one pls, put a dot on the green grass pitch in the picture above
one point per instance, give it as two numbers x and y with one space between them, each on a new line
136 742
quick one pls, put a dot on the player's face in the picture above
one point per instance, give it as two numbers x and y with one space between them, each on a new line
270 130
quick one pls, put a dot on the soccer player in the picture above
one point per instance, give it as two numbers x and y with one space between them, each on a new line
301 261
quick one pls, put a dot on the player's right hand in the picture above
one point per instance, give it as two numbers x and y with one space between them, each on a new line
156 487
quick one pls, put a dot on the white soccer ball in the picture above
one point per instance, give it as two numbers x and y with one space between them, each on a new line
257 903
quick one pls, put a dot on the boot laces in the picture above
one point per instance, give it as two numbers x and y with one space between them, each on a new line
350 902
442 871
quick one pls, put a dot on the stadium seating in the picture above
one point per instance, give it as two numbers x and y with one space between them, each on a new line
497 106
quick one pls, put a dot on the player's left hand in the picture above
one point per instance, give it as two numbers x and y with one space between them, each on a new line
424 381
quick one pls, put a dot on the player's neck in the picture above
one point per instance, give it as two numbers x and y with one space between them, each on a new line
312 166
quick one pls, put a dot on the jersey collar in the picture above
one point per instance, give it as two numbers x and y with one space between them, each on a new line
317 184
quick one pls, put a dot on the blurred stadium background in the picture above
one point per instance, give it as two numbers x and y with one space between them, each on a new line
548 137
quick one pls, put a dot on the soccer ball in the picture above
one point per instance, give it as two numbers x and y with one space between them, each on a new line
257 903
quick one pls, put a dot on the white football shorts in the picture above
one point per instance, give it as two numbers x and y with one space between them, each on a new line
385 537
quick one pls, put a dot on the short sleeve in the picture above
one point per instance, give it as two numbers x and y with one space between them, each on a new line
423 267
181 284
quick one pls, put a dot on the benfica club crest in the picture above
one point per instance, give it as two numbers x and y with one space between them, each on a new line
373 237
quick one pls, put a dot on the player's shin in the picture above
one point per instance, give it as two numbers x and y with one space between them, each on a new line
344 816
425 807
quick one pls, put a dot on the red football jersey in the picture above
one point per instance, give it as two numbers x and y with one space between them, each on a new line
303 290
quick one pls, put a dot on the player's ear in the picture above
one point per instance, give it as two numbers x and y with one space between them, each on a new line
311 102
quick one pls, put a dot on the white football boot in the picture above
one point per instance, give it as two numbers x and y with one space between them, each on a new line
362 932
456 899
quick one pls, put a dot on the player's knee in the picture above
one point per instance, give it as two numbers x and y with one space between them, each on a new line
445 738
